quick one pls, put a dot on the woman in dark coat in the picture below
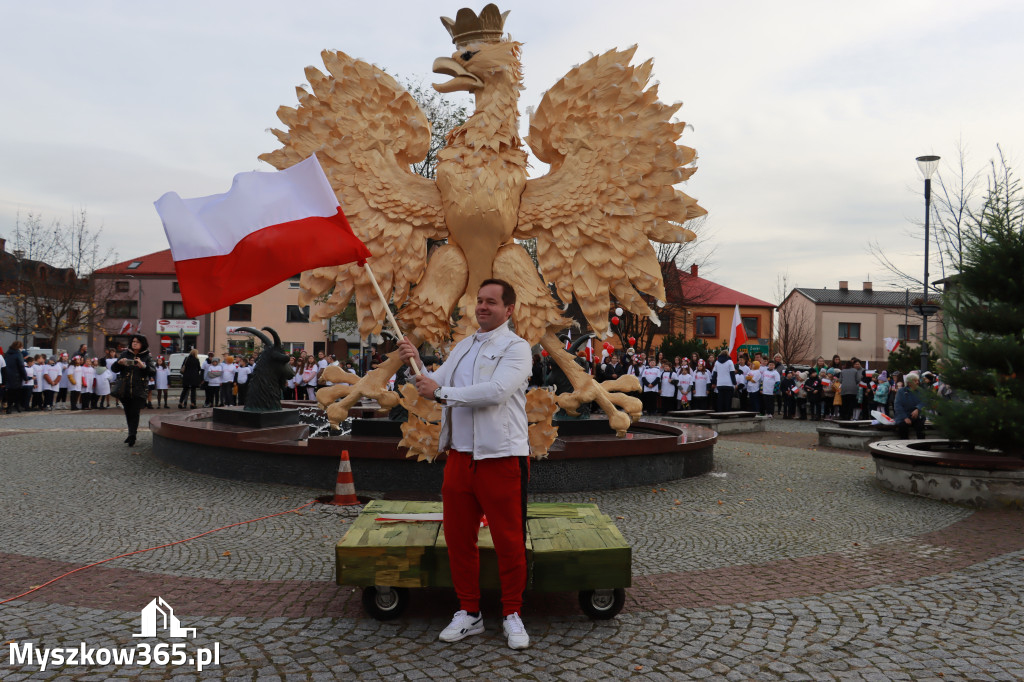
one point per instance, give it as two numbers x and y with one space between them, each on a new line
191 377
135 366
15 376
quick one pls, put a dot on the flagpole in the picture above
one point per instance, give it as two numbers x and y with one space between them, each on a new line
387 310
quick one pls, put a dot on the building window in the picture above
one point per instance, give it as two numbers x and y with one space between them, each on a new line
293 282
175 289
241 312
706 325
134 264
121 287
293 347
752 325
849 331
910 332
175 310
123 309
297 314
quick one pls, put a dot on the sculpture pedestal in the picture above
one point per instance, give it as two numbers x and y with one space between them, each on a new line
237 416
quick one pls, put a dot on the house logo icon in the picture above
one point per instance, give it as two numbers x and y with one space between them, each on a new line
158 615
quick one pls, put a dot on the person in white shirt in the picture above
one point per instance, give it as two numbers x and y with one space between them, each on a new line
753 381
242 379
227 380
723 376
88 374
701 381
35 375
742 370
650 379
309 372
101 384
212 376
163 380
684 386
668 388
482 388
74 377
61 399
769 380
51 380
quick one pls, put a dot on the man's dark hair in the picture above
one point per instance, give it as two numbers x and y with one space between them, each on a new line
508 294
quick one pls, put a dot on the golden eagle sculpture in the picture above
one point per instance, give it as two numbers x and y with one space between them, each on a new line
613 163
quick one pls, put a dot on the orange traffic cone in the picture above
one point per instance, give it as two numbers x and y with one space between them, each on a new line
345 489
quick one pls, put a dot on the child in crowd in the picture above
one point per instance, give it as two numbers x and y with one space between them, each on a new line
162 380
668 388
51 382
104 376
769 383
649 379
701 379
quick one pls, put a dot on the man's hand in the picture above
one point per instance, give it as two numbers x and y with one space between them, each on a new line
426 386
914 414
408 352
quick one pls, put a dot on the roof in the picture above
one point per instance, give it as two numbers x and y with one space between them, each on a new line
882 299
695 290
159 263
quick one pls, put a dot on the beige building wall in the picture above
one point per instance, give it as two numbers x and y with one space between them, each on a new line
876 322
269 309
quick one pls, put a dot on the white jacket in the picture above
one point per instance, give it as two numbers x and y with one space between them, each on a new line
498 395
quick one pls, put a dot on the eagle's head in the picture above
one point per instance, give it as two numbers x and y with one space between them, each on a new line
476 64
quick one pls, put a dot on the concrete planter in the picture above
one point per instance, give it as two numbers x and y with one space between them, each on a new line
950 471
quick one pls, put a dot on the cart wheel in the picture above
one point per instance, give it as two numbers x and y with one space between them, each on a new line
602 604
385 603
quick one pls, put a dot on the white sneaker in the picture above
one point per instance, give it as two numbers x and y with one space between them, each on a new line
515 631
462 625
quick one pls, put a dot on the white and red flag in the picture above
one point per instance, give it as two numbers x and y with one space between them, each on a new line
229 247
891 344
126 328
738 334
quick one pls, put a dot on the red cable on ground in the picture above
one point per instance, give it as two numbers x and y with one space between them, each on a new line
150 549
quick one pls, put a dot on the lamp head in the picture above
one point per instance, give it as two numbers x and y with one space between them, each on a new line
928 164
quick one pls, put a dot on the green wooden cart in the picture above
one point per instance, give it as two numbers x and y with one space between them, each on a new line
396 545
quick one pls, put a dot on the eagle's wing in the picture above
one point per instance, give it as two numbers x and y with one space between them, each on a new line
611 147
365 130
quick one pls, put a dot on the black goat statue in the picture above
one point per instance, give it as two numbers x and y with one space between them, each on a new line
269 375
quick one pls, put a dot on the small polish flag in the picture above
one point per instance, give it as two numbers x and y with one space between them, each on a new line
738 335
229 247
126 328
891 344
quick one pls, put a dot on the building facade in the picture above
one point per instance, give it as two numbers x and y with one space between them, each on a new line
145 296
855 323
700 308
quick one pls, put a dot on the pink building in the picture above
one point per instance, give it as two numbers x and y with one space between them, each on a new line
145 296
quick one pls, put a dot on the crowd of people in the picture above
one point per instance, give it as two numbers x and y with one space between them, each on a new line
835 390
829 390
84 382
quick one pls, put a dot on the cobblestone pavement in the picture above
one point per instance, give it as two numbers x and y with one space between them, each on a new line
784 563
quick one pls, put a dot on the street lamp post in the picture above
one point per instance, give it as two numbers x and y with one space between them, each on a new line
927 164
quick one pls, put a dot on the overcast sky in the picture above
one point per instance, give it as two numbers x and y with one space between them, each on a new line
807 116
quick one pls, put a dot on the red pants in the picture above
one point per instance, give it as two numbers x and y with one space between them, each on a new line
495 487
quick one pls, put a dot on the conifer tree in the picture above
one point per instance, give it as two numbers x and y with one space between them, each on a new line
984 363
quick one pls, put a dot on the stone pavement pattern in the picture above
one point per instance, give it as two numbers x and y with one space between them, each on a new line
786 563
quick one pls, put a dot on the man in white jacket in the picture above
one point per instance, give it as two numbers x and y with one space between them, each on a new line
482 386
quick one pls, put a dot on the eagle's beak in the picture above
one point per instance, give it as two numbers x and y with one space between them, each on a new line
461 79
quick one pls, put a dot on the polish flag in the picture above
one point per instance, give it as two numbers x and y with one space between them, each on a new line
891 344
126 328
738 335
229 247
